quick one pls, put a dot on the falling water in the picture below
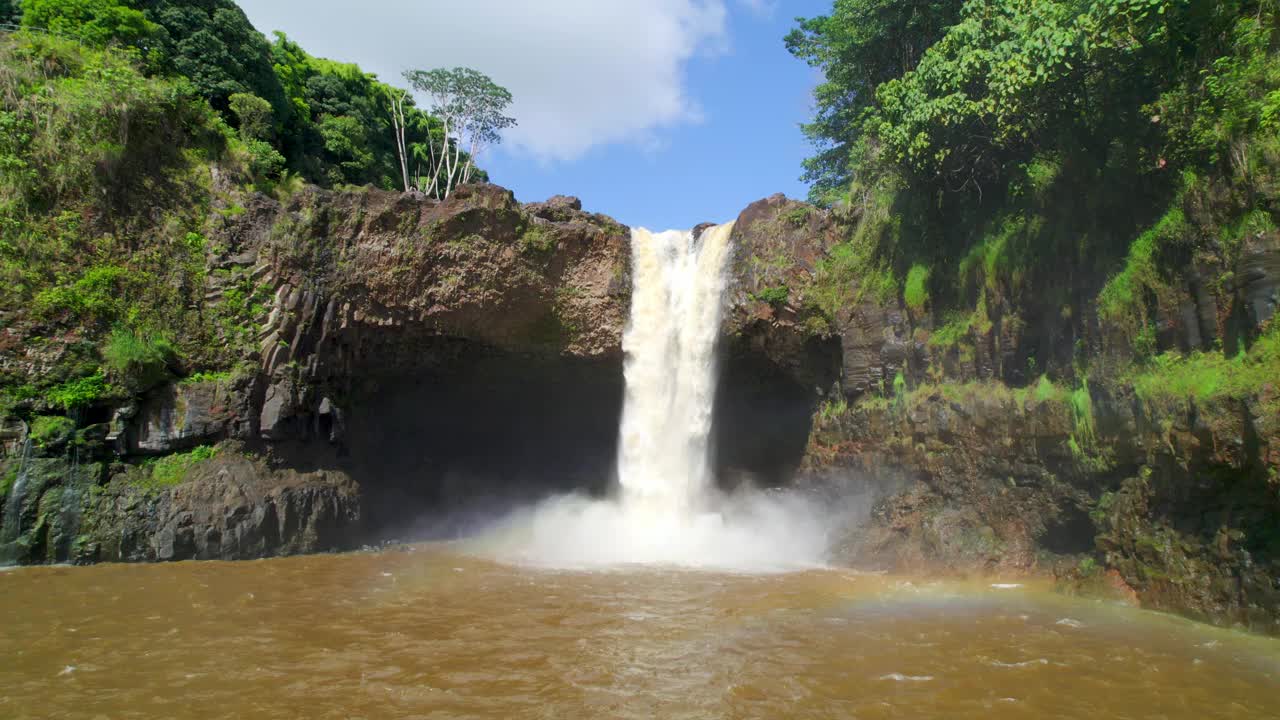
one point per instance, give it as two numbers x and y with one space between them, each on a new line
670 371
11 526
667 509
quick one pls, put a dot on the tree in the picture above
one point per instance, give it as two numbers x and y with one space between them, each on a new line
10 12
962 94
97 23
397 98
471 107
254 116
859 46
213 43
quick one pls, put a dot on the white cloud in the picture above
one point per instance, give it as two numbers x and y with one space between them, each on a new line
762 9
583 73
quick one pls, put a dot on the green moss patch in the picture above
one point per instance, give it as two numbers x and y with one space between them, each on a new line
171 470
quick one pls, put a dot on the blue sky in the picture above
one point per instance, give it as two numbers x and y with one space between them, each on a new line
746 146
661 113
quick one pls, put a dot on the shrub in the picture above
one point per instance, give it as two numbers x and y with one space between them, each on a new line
92 22
915 291
797 217
207 376
264 160
139 359
775 296
47 430
254 116
78 393
537 239
96 296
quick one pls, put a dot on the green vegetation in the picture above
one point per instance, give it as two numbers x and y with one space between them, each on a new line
832 410
916 289
1047 391
852 270
797 217
1017 164
329 122
1082 414
123 123
96 152
137 359
537 238
1088 566
205 376
46 430
776 296
1121 299
171 470
78 393
1207 377
92 22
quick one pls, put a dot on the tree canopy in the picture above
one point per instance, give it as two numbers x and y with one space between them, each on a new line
94 22
962 93
859 46
1000 155
471 107
327 121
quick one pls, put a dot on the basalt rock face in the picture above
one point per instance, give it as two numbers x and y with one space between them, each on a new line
1173 506
784 353
375 284
968 465
413 355
231 508
777 244
351 304
228 507
1157 498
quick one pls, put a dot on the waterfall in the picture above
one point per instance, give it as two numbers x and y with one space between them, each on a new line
15 503
668 510
678 283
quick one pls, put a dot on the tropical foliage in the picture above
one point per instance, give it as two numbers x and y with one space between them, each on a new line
471 106
1047 162
126 127
329 122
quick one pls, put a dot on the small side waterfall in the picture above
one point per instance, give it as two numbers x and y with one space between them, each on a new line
15 503
677 294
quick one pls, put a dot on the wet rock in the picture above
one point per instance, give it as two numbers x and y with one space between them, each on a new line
44 505
13 432
1258 277
182 415
776 244
281 406
228 508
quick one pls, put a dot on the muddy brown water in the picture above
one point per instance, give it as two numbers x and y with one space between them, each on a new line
429 632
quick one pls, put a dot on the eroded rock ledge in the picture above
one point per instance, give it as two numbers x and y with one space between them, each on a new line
353 299
404 355
412 355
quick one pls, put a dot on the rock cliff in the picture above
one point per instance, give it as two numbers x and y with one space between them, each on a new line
399 356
